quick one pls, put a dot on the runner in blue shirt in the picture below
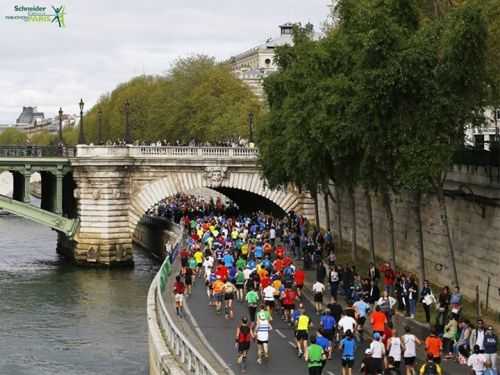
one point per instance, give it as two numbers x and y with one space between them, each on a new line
348 347
327 324
326 345
362 309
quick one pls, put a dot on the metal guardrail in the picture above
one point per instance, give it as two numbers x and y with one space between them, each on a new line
171 339
32 151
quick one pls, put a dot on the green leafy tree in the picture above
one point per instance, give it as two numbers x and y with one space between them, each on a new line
198 99
43 138
12 136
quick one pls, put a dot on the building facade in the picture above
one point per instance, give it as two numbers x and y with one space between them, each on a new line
255 64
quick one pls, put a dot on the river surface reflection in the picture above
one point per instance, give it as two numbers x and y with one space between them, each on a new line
56 318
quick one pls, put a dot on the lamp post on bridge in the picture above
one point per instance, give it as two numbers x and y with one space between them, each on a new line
126 109
60 126
99 126
250 126
81 135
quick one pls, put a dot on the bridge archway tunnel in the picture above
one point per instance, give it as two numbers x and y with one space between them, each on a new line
246 189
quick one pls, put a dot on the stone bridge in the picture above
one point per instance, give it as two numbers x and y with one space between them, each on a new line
108 190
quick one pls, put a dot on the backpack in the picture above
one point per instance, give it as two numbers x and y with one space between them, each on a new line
430 369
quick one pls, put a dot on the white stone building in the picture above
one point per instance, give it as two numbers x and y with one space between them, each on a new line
253 65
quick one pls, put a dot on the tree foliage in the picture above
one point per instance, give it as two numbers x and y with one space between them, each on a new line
197 99
382 100
12 137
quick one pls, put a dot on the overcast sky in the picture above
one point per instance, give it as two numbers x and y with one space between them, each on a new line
107 42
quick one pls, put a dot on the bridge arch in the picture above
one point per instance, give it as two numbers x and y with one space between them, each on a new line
219 179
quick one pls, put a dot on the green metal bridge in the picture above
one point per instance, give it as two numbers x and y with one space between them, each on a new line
58 209
47 218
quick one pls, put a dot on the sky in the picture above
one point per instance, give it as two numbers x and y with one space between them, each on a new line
107 42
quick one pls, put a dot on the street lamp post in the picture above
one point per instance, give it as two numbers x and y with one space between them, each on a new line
250 126
126 109
60 126
99 126
81 135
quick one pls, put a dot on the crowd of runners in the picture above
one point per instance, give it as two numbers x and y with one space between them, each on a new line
261 261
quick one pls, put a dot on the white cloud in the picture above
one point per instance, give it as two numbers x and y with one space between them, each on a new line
107 42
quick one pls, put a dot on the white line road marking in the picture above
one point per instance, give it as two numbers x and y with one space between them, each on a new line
330 373
292 344
282 335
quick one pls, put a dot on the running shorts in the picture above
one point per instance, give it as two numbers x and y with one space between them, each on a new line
301 335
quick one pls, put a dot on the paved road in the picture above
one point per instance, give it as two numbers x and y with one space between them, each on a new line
220 333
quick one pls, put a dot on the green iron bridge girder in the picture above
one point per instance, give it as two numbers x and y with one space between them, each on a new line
30 212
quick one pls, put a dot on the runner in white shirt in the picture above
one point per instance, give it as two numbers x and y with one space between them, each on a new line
268 296
318 289
347 323
410 342
262 329
477 361
395 349
378 352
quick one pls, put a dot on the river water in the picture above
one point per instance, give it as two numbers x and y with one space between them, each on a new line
56 318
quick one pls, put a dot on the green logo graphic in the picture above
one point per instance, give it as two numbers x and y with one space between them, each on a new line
38 14
59 15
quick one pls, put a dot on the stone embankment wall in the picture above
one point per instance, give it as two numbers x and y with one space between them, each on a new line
475 227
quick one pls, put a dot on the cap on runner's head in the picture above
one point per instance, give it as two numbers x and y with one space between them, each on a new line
376 336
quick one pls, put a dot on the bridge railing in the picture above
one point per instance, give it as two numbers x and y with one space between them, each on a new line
187 151
166 152
32 151
170 351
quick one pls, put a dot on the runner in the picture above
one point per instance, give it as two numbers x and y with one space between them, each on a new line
218 292
348 348
327 325
302 326
410 342
252 298
434 346
179 289
315 357
240 283
378 352
262 329
229 290
394 349
361 308
244 335
430 367
268 296
318 289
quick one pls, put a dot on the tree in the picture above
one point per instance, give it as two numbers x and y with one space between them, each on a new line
445 91
12 136
43 138
198 99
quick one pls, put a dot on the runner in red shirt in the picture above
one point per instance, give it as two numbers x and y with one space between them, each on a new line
222 272
179 289
299 278
290 296
265 282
